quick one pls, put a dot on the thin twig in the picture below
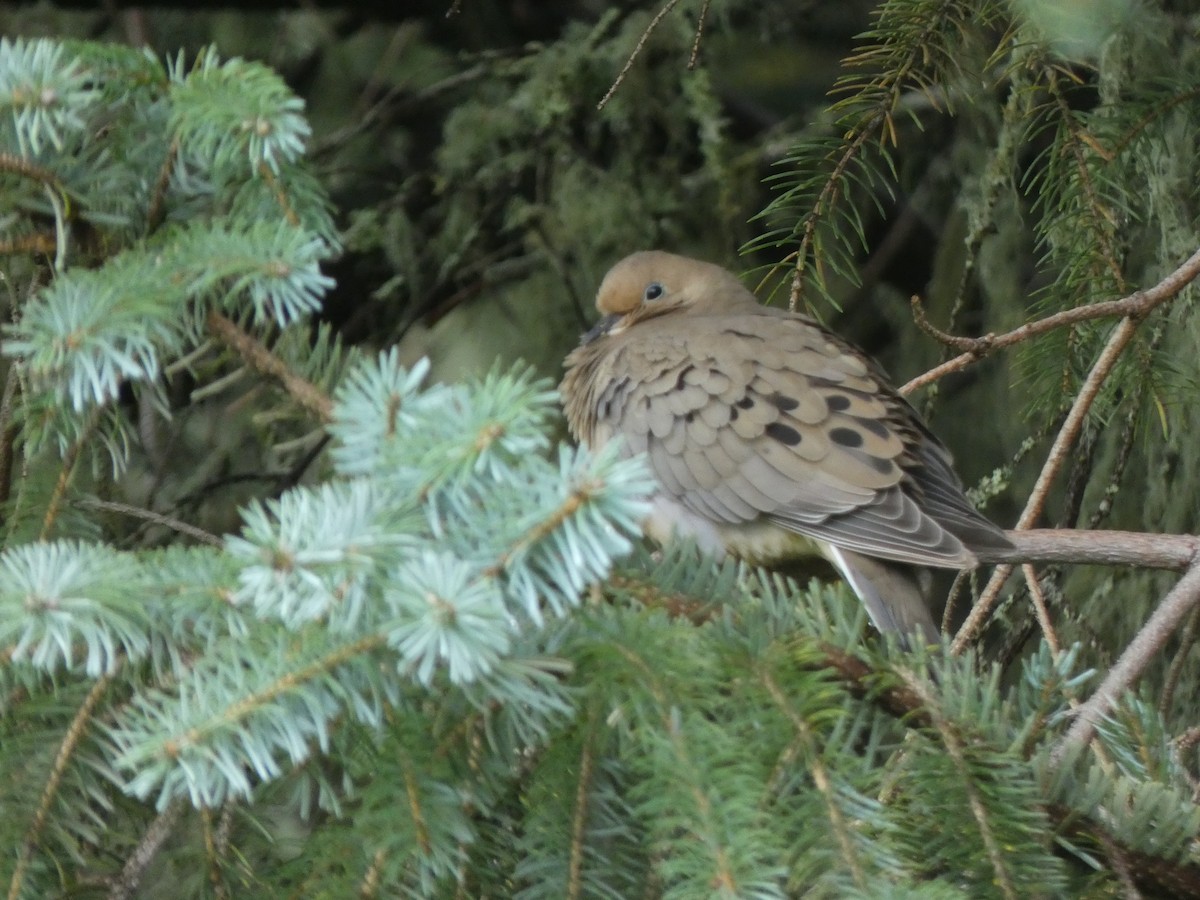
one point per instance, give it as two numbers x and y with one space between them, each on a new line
393 102
368 888
1186 639
70 458
1135 306
8 432
158 199
267 363
1124 454
281 197
699 33
1102 235
1120 864
1181 600
824 783
671 4
126 884
150 516
1040 610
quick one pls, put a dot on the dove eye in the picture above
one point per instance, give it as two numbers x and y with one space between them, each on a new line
654 290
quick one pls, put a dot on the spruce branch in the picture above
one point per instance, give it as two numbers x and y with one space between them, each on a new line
893 696
907 701
281 197
1186 96
579 815
237 712
1098 213
38 242
909 46
238 113
1158 876
956 751
413 794
262 360
146 851
706 826
20 165
67 472
822 778
66 754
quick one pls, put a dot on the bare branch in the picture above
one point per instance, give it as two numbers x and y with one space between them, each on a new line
1101 548
1181 600
1041 610
670 5
1135 306
699 34
1117 342
149 515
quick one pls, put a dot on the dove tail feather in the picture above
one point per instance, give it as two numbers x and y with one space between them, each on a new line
893 593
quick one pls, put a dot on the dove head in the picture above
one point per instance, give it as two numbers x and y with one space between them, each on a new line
652 283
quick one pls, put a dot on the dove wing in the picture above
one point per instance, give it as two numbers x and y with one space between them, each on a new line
754 417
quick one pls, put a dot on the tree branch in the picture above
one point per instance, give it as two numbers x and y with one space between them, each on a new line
146 852
1101 548
1117 342
670 5
267 363
148 515
1181 600
1135 306
1160 876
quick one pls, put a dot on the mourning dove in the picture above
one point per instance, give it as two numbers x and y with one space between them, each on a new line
770 438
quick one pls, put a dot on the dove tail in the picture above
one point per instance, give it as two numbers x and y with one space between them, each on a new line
895 598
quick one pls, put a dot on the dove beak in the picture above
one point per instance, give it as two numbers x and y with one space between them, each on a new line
601 328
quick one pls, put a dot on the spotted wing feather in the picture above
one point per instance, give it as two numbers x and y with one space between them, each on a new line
768 416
